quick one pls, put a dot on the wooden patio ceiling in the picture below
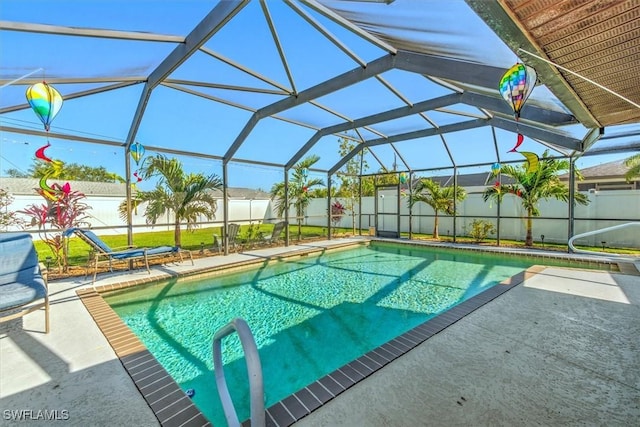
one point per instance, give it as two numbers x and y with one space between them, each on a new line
587 52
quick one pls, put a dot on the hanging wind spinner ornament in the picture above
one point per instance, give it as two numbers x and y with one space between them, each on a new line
45 101
515 87
137 152
533 161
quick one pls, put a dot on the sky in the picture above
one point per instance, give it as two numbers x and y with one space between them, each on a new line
177 120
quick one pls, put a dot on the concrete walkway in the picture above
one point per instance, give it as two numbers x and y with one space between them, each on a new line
72 370
561 349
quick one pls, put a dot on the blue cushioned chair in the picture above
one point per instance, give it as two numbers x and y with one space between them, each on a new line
23 280
102 252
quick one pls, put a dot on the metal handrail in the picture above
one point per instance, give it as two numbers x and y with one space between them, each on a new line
591 233
254 369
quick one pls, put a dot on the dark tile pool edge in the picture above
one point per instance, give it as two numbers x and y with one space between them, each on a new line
164 396
304 401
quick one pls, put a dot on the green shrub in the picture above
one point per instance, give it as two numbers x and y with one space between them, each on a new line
480 229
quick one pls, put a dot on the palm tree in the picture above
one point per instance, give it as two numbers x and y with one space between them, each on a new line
299 187
186 195
633 163
441 199
532 186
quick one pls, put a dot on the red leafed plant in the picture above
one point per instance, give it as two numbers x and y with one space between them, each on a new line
337 210
66 210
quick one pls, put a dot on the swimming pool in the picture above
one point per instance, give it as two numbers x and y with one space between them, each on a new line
309 316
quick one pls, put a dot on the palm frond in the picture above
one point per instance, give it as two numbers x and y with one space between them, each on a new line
296 194
441 199
633 163
531 187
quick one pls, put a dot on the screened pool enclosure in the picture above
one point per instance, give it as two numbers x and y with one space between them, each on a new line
403 89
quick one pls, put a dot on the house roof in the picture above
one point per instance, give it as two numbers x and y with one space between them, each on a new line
245 193
610 169
615 169
27 186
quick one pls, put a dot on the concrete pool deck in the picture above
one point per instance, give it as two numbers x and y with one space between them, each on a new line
560 348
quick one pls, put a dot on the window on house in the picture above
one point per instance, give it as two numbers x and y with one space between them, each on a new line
620 185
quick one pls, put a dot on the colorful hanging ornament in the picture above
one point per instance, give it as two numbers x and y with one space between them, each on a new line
45 101
495 168
518 144
47 191
403 178
533 161
55 191
40 153
137 152
515 87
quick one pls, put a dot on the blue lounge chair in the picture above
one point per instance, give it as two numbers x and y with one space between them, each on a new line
103 253
23 280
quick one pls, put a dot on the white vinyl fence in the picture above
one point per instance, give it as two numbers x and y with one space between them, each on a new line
606 208
104 217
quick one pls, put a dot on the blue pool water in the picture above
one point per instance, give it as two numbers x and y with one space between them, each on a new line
309 315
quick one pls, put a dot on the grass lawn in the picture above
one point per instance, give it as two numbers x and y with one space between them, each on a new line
191 240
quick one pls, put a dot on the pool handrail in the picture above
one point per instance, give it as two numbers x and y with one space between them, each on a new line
254 370
594 232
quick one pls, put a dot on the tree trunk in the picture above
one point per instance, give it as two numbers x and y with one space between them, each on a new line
435 227
299 214
65 253
177 235
529 239
353 220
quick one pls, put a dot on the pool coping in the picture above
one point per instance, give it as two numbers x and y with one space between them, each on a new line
173 408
